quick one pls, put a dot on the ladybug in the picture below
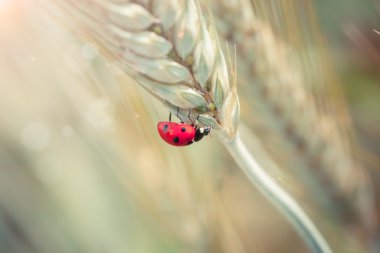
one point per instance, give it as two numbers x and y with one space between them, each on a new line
181 134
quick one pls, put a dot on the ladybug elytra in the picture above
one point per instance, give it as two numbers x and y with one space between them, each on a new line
181 134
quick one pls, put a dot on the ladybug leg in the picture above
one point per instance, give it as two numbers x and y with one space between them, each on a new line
196 120
192 122
178 115
170 116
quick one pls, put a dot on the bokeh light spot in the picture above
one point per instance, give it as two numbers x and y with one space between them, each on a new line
35 136
89 51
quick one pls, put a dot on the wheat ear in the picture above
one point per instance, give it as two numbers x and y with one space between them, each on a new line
281 88
169 49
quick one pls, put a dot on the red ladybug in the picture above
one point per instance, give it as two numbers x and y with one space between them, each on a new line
181 134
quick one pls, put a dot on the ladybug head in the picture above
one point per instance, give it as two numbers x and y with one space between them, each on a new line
206 130
202 131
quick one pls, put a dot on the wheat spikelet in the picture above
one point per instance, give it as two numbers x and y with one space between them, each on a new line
168 48
314 127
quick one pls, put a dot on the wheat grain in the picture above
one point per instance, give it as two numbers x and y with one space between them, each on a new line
168 48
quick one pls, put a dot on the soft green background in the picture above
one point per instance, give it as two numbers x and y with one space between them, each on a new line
82 168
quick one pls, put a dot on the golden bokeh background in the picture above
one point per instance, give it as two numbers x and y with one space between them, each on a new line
82 168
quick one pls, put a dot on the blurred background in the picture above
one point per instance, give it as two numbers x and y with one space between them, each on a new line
82 168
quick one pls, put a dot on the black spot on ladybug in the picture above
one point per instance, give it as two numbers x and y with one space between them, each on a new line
183 129
176 139
165 128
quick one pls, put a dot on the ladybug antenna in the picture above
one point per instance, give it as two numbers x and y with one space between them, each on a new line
178 115
210 131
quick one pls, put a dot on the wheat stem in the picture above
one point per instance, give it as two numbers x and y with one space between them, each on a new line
286 204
